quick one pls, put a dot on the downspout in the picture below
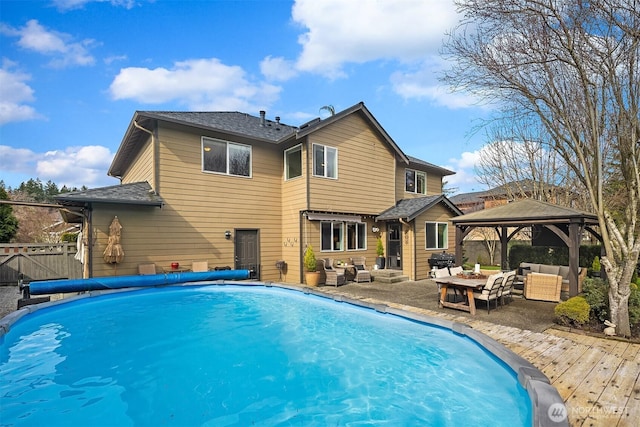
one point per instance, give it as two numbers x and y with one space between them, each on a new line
90 240
156 175
303 218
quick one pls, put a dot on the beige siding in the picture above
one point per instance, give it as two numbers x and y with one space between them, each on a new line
434 184
142 168
294 201
200 207
440 214
366 170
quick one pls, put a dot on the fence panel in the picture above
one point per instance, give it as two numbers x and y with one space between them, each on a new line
38 261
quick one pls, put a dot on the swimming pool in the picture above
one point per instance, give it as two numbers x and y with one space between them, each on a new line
250 355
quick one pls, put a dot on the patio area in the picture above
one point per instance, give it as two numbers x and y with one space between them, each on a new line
599 379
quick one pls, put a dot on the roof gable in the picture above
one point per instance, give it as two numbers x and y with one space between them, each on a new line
410 209
359 108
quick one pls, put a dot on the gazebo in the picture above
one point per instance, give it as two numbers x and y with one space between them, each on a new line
566 223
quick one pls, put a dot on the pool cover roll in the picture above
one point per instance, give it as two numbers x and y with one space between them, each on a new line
119 282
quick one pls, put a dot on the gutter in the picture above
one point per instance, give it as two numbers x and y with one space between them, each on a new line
154 145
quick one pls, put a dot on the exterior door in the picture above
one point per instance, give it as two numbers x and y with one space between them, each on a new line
394 245
247 256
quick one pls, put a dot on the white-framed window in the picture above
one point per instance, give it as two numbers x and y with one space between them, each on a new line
356 236
331 236
415 182
293 162
225 157
325 161
436 235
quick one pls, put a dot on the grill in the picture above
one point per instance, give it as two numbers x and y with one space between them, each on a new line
442 260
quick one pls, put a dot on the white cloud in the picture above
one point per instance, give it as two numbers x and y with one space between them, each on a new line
201 84
60 46
465 179
65 5
340 32
73 167
278 68
15 93
423 84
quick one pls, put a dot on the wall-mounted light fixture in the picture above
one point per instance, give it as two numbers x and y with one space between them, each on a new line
227 234
375 229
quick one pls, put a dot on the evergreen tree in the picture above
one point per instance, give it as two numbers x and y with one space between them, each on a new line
8 222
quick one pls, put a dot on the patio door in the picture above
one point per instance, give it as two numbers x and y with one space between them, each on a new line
246 252
394 245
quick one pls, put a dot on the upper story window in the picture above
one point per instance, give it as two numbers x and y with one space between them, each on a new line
325 161
436 235
415 182
226 157
293 162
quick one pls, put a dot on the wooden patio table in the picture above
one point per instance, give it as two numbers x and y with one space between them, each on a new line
465 286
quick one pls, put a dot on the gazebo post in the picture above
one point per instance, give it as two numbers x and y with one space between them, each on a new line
504 242
459 242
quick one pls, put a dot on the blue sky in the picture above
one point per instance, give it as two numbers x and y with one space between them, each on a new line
73 72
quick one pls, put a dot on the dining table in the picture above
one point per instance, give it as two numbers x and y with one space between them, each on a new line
466 286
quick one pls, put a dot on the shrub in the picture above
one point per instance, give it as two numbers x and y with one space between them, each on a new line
379 247
310 259
573 312
596 293
69 237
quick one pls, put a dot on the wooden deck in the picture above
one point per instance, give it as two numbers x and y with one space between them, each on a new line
599 379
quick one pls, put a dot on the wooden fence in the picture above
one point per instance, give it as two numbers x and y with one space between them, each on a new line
38 261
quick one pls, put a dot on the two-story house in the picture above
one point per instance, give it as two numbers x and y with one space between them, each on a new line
243 191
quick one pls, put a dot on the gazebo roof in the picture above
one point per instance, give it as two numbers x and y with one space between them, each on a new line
525 212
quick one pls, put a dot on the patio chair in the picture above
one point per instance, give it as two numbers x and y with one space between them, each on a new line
454 271
362 273
507 286
334 276
146 269
200 266
491 290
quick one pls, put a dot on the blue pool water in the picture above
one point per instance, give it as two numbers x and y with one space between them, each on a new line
244 356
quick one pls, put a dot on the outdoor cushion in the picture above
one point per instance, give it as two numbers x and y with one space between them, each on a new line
549 269
523 271
359 267
564 272
535 268
490 280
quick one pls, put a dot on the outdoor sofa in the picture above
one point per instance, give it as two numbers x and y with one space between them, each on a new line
546 282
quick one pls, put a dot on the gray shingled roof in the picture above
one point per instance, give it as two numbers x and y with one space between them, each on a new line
475 197
421 163
231 122
243 125
409 209
137 193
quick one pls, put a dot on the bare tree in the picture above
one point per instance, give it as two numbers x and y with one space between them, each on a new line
572 67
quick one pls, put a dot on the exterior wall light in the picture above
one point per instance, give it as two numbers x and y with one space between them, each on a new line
227 234
375 229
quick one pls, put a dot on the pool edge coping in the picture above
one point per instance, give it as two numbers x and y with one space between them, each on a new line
545 398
